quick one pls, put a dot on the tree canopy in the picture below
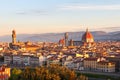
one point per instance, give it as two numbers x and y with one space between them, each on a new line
52 72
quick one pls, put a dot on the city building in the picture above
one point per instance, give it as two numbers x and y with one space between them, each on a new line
14 44
61 42
4 73
105 66
31 47
34 61
17 59
66 39
116 60
90 64
8 59
87 39
78 55
25 60
42 60
71 42
14 37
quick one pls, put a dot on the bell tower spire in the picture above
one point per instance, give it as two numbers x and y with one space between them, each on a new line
13 36
66 39
86 29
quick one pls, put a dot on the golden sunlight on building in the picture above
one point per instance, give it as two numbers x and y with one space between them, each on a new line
79 55
31 48
4 73
105 66
90 64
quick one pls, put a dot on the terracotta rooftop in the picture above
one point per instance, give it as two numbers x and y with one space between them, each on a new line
91 59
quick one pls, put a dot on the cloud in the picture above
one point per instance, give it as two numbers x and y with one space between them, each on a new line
90 7
32 12
113 28
21 12
109 29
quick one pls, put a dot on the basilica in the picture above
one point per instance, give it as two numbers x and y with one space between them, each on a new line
86 41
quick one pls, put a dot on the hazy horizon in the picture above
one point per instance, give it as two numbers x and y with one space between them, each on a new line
56 16
55 32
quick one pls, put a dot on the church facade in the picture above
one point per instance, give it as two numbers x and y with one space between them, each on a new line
87 40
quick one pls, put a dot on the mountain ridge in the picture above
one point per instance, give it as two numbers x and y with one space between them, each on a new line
54 37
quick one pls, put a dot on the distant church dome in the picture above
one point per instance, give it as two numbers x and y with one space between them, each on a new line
87 37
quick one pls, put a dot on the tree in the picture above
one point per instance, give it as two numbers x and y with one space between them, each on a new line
82 77
15 74
52 72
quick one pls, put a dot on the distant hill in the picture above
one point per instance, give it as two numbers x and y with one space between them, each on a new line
54 37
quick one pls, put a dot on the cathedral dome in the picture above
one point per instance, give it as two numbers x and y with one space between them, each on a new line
87 37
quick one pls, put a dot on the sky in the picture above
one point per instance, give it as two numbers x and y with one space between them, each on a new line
55 16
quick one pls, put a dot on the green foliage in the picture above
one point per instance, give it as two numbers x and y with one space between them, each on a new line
82 77
100 76
52 72
15 74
